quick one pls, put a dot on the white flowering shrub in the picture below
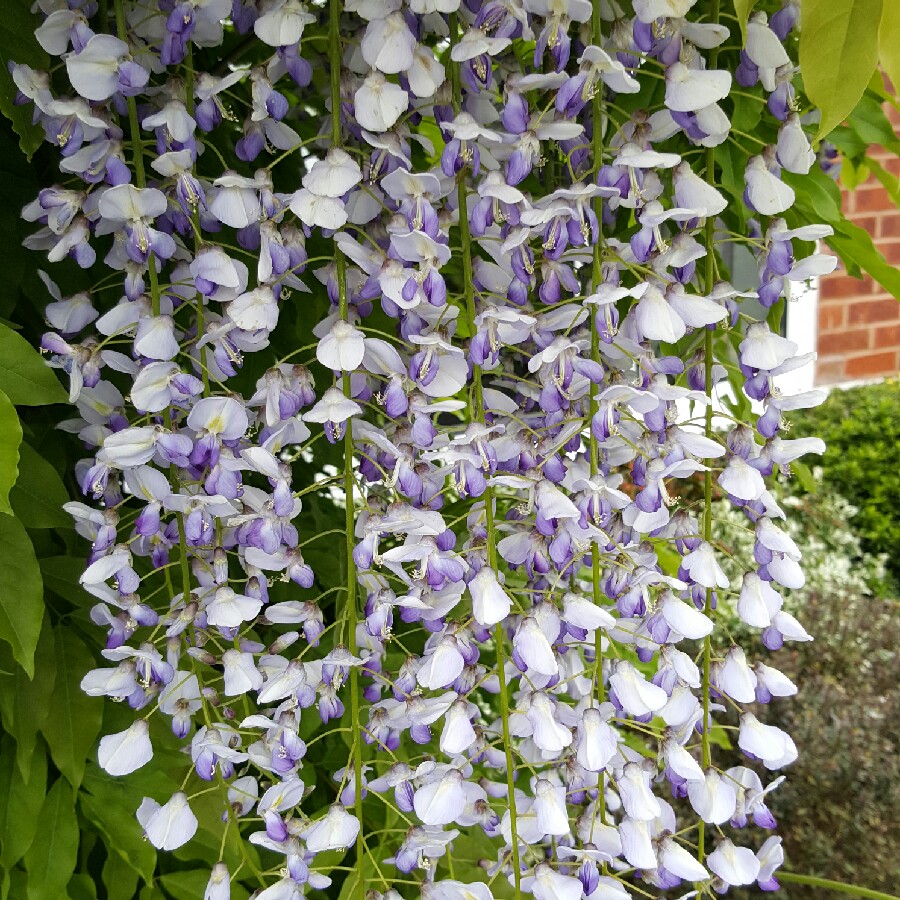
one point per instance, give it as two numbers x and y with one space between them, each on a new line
392 334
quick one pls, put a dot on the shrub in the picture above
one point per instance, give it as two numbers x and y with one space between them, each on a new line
861 427
845 786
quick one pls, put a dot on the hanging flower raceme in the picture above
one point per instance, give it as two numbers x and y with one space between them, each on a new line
489 585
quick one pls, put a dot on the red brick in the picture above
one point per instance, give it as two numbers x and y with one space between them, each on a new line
872 365
888 225
892 163
843 341
886 336
872 199
844 286
887 310
867 223
891 250
829 371
831 316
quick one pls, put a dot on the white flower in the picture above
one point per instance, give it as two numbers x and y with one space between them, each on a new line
230 610
714 798
318 212
546 884
241 674
689 90
219 885
255 310
94 72
763 349
597 741
170 826
637 696
336 831
334 175
490 603
734 865
332 406
127 751
635 793
282 24
388 44
534 648
766 742
223 417
767 193
378 103
155 338
342 349
550 808
442 801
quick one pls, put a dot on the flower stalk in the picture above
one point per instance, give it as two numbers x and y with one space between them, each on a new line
335 58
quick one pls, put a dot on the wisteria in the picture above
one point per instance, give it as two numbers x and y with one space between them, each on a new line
483 314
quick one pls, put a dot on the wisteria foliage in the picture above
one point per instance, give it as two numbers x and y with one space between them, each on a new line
395 365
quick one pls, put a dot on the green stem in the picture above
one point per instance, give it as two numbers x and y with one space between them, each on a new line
335 54
137 155
594 450
708 283
195 214
814 881
465 238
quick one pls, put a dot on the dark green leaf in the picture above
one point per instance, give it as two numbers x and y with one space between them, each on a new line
191 884
20 801
24 701
110 807
18 44
61 575
73 728
82 887
39 493
838 54
119 878
50 861
24 375
10 439
21 593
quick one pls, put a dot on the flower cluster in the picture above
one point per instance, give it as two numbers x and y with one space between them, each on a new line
510 212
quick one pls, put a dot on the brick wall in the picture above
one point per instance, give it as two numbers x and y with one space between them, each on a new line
858 322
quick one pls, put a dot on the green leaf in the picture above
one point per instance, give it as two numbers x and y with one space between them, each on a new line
872 125
891 183
120 880
889 42
742 9
21 593
20 802
10 439
24 375
110 807
39 493
24 701
18 44
838 54
72 729
191 884
854 245
82 887
51 859
60 574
